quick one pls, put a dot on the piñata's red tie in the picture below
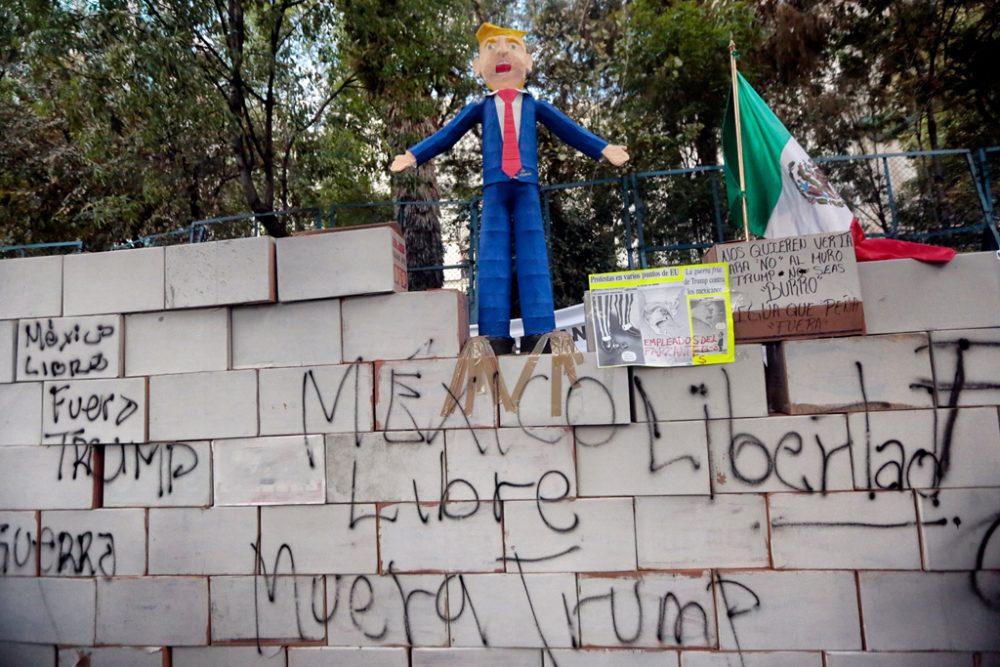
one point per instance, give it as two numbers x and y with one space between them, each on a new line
511 157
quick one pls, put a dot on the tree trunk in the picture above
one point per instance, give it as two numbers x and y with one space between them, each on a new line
421 224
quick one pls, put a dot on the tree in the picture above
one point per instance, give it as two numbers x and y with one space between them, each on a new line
271 61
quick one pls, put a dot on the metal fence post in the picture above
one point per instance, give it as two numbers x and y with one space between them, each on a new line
713 180
984 191
640 219
627 221
892 197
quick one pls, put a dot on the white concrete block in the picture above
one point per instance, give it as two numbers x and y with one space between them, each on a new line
599 395
882 659
269 471
852 374
69 347
8 346
338 399
908 449
787 611
702 392
228 656
152 656
384 467
216 540
492 657
780 454
593 657
103 542
650 459
36 477
335 656
909 295
220 273
422 538
18 544
321 538
21 413
160 611
35 655
396 610
844 531
121 281
508 463
408 325
162 474
976 352
920 611
184 341
201 406
586 535
94 411
281 608
511 612
957 526
31 287
287 334
751 659
688 532
409 396
654 610
47 610
341 262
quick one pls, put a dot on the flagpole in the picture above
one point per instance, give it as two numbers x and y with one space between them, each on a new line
739 140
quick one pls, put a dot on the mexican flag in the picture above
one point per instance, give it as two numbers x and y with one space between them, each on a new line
786 193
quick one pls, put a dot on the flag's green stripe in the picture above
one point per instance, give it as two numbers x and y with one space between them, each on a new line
764 137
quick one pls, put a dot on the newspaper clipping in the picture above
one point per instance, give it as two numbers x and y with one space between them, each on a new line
672 316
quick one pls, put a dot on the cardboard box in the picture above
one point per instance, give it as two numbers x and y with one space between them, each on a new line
794 287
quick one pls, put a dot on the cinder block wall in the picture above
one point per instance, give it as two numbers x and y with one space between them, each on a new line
195 474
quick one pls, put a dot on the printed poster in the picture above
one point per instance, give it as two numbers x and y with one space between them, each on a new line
671 316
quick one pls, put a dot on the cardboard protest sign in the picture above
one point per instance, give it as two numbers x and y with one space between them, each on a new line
794 287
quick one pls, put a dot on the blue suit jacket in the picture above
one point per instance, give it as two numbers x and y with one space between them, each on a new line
532 111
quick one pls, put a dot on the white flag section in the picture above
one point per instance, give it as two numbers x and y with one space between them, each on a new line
807 204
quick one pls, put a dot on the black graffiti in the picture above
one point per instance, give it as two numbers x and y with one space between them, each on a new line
668 605
48 338
309 380
81 455
172 460
10 552
70 368
91 407
974 576
75 553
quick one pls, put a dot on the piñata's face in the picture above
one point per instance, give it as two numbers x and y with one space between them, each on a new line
503 62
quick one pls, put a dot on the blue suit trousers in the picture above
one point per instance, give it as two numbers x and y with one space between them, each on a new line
517 206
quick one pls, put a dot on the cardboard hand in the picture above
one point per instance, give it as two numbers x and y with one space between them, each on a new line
616 155
403 161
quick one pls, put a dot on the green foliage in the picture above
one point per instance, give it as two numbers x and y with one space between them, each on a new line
123 118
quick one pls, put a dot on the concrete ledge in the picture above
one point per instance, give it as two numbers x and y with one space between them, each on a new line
220 273
341 262
31 287
902 295
120 281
